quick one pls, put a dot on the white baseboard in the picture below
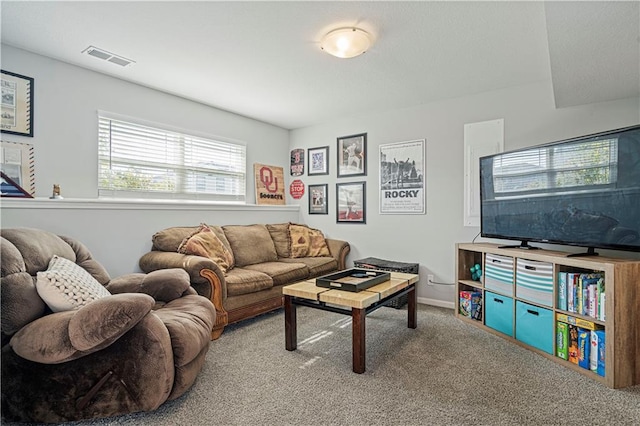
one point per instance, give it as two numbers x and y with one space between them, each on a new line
436 302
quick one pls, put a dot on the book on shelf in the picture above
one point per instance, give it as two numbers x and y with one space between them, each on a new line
562 290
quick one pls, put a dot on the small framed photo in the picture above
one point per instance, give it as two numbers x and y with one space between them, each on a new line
318 199
352 155
318 161
351 202
17 104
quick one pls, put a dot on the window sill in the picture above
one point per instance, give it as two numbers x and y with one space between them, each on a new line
124 204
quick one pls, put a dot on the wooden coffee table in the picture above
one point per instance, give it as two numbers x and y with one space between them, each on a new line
358 305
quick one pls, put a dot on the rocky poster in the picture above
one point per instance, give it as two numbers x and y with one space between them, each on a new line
402 178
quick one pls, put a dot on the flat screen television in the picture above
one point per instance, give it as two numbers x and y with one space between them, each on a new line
583 192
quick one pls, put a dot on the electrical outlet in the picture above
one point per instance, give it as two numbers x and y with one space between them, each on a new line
430 279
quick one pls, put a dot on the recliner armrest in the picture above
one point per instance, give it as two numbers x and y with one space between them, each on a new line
164 285
69 335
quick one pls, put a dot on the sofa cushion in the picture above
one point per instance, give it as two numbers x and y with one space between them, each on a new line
280 236
282 273
250 244
65 286
307 242
243 281
205 243
317 265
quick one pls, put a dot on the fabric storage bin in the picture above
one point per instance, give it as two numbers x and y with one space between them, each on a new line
498 273
498 313
534 281
534 326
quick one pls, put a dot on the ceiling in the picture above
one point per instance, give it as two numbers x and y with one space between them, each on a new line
263 60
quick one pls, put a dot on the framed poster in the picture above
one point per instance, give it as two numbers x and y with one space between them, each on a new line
351 203
318 161
269 184
9 188
352 155
17 104
17 163
297 162
402 183
318 199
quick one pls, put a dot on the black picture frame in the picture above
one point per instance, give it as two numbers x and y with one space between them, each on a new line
352 155
16 117
351 202
319 199
318 161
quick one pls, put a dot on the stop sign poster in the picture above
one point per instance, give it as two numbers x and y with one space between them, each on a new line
296 189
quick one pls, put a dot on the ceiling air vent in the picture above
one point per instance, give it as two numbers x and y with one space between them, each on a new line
107 56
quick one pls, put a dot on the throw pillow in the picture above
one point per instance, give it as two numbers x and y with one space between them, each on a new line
280 236
205 243
307 242
65 286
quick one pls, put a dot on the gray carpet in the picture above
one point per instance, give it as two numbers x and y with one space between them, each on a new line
443 373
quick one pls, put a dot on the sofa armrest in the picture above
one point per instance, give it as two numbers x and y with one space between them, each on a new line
205 275
339 250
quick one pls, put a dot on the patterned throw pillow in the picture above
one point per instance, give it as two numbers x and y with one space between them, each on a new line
205 243
65 286
307 242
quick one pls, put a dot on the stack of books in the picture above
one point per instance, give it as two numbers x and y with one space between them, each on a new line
582 293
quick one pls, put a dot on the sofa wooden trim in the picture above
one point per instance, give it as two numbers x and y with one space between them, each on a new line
224 317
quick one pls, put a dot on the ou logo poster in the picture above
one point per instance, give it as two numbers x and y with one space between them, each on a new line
269 184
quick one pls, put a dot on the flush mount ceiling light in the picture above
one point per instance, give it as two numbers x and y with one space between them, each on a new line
346 42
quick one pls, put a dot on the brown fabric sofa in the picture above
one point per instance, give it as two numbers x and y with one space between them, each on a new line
130 348
265 258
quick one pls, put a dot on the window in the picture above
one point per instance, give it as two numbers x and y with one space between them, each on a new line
140 161
554 169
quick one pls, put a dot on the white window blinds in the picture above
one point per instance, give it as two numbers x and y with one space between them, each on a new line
136 160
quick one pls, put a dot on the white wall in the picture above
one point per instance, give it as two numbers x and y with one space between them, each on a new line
68 97
66 101
65 140
529 119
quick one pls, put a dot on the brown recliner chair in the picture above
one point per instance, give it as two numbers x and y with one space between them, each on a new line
123 352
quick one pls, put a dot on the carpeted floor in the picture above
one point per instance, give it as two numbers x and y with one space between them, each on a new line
444 372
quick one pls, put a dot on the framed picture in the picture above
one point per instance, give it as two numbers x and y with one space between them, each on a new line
17 163
17 104
9 188
318 161
402 178
351 203
297 162
352 155
318 199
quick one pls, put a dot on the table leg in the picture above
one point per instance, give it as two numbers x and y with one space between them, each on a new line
358 337
290 324
412 313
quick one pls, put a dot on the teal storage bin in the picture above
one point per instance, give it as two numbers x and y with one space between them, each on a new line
534 326
498 313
